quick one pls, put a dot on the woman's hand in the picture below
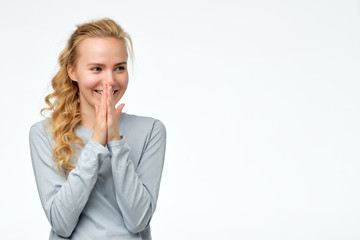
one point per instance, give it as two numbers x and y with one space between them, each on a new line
100 128
106 119
113 117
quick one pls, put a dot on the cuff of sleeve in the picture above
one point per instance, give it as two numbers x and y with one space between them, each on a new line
116 144
98 148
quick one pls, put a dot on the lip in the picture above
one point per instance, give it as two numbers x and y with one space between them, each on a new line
101 91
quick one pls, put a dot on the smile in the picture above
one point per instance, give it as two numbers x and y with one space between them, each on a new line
100 91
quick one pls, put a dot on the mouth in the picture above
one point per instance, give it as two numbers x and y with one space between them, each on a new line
101 92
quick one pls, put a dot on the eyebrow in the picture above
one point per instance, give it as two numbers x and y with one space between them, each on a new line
102 65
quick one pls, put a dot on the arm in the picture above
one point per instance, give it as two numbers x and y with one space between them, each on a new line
62 199
137 188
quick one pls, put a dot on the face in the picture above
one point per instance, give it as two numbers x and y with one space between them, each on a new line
99 61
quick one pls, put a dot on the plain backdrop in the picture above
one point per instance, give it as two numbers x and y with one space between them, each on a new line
260 100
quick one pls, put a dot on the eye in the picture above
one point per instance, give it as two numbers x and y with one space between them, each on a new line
96 69
120 68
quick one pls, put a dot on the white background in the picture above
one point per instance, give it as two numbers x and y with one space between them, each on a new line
260 100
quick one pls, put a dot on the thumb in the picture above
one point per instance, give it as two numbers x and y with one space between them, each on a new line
119 109
96 110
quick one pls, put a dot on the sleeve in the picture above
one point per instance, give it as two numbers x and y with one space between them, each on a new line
137 188
62 199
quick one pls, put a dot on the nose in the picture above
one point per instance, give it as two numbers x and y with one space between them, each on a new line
110 78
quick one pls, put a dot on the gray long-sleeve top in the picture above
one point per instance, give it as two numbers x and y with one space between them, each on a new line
113 190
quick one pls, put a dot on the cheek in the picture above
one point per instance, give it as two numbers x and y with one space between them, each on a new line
89 82
122 81
125 80
125 84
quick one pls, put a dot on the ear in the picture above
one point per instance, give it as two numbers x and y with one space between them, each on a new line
71 72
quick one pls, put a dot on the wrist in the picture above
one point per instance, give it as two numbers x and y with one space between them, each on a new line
115 138
98 140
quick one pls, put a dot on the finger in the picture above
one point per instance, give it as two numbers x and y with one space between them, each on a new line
110 101
96 110
110 108
104 98
105 91
118 110
110 95
101 110
103 103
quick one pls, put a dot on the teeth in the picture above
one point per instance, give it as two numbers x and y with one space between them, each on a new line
100 92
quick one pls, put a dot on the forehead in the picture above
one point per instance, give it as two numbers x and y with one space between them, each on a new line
101 49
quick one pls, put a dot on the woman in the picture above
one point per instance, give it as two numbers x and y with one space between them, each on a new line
97 169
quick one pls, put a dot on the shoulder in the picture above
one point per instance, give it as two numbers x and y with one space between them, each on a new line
141 126
40 129
141 122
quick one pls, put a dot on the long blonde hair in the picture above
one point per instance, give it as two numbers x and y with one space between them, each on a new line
63 102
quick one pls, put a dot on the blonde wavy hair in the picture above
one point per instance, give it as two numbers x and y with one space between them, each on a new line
63 102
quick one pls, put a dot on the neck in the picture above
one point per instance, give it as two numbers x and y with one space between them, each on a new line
87 118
